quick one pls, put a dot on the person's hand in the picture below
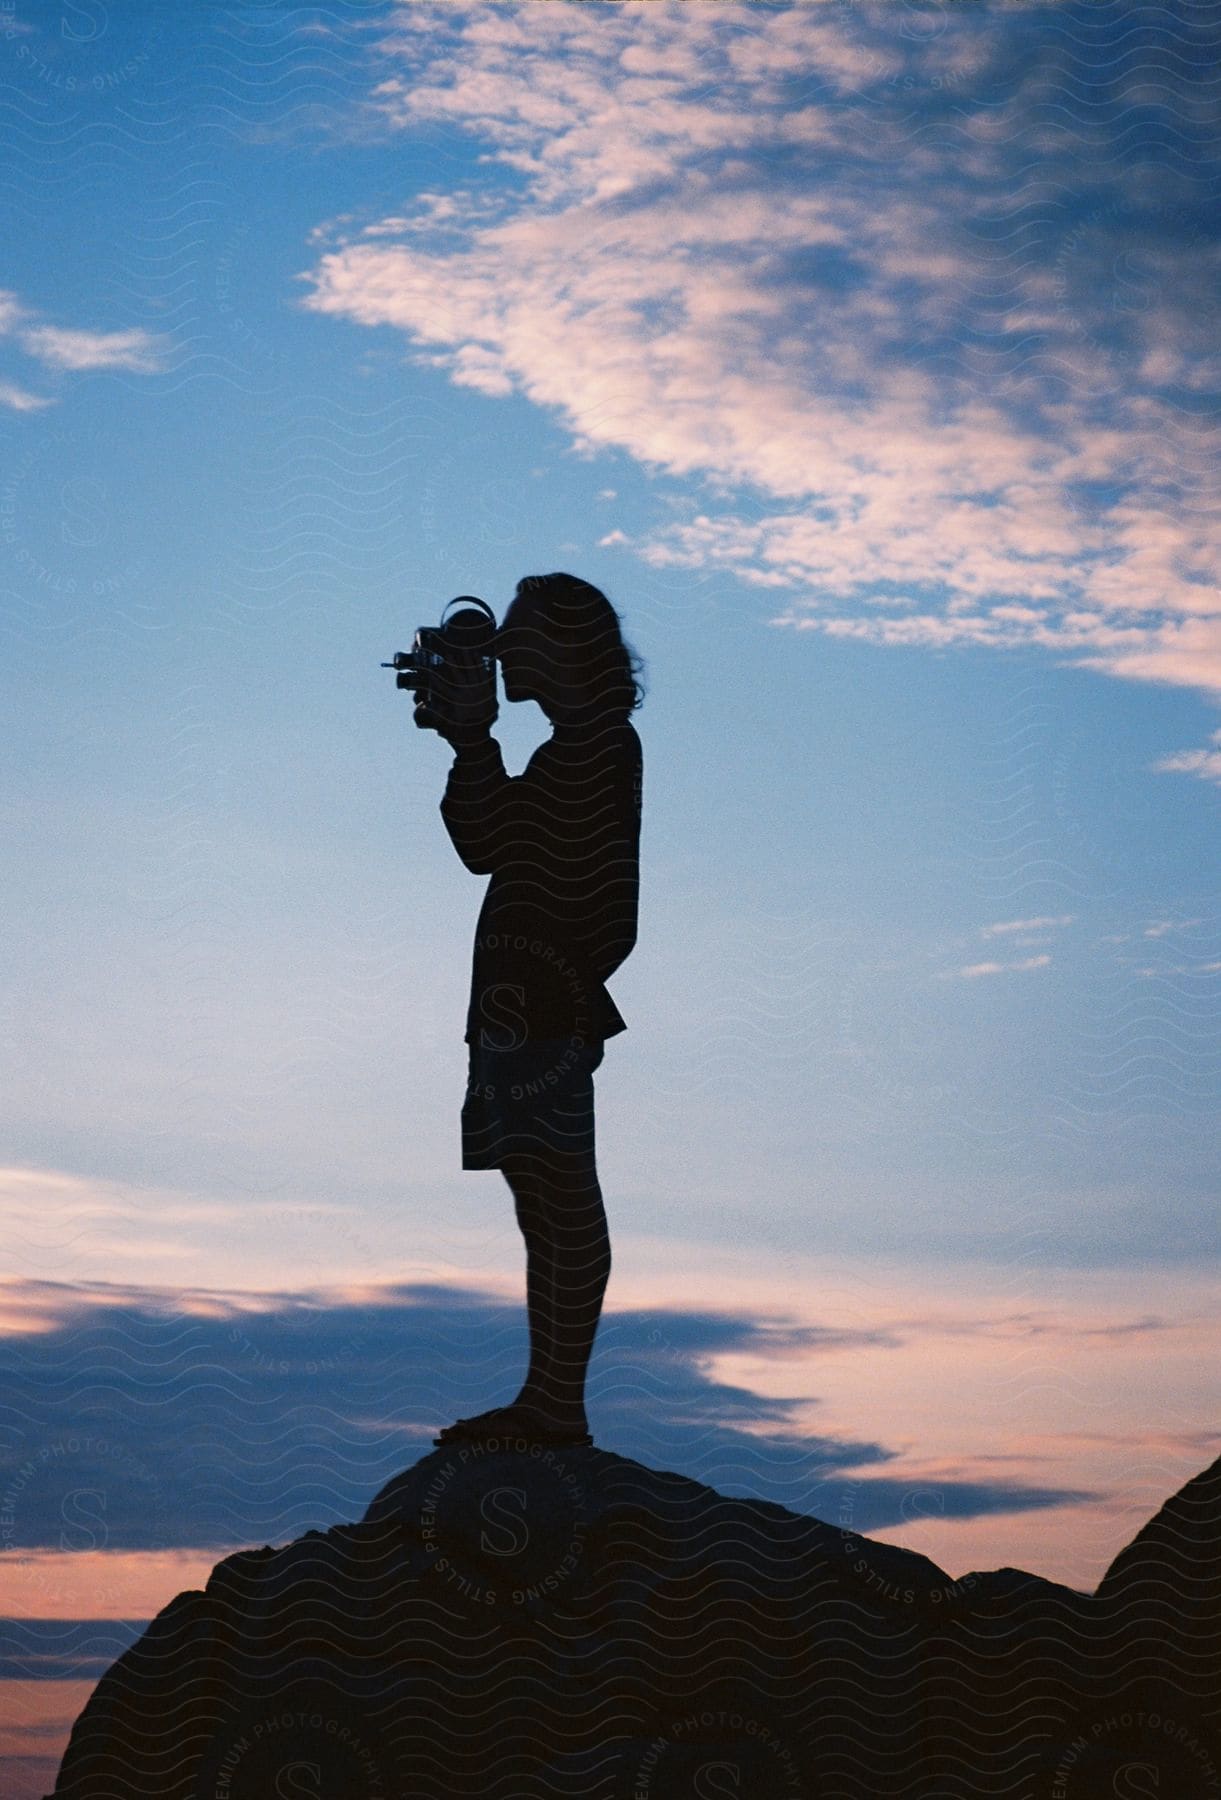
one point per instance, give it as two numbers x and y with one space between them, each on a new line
462 707
461 736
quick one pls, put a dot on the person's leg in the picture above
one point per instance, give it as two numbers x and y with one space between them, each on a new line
581 1263
568 1260
559 1208
540 1276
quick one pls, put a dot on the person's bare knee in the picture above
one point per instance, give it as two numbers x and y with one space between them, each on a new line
529 1198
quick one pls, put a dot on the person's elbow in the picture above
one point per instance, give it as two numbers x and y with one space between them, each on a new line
474 858
471 848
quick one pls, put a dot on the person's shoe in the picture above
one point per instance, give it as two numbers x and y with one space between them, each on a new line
517 1420
493 1423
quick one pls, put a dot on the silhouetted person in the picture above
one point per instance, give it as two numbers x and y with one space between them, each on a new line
561 844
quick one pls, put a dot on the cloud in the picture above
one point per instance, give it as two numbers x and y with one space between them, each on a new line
67 349
1032 1325
63 1650
20 399
11 309
1206 764
1160 973
1025 924
1160 927
997 968
307 1403
59 347
938 333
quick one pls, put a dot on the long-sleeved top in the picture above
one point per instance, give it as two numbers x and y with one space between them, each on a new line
561 842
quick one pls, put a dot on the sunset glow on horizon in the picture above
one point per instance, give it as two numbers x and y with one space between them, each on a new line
867 356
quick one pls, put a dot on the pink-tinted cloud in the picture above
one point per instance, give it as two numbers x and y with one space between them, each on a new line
784 251
62 347
1206 764
66 349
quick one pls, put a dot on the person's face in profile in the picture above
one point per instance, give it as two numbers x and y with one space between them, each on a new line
537 666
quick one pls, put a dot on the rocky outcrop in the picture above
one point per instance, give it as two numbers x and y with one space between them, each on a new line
1171 1571
513 1621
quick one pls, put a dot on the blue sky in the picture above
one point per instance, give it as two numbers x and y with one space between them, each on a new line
867 357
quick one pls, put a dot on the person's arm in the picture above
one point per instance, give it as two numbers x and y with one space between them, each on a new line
621 898
478 803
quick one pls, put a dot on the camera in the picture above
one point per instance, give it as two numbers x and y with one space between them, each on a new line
452 664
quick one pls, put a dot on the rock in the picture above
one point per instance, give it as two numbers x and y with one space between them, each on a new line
1171 1572
1149 1721
519 1622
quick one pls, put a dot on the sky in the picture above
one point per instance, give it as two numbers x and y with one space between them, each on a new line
868 358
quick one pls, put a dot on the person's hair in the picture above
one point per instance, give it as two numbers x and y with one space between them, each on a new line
575 611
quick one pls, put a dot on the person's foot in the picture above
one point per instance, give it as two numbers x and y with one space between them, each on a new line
553 1418
497 1420
552 1425
522 1418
